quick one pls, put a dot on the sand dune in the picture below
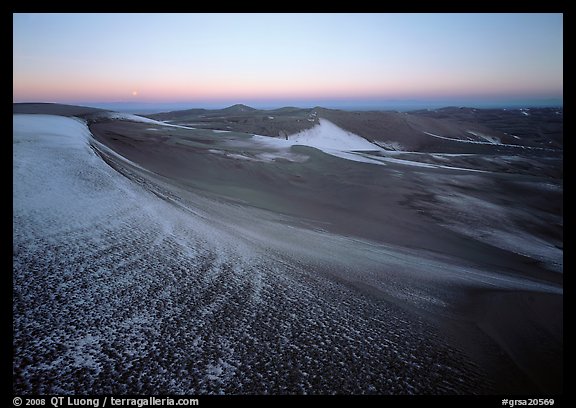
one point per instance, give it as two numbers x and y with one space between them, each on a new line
193 261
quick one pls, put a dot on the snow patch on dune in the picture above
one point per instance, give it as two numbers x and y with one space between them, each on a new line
340 143
326 135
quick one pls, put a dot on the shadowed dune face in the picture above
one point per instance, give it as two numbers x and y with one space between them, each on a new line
399 267
541 127
448 130
439 131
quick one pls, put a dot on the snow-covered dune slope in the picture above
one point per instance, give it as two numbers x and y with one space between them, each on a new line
60 180
325 136
94 253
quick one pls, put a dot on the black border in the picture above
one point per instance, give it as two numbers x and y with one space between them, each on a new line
309 6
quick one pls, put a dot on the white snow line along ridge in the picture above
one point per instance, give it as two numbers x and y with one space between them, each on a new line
487 143
136 118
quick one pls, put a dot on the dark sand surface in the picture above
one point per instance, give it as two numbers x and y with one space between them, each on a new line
536 126
241 118
395 205
460 271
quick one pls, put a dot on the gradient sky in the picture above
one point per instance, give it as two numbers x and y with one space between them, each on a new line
74 58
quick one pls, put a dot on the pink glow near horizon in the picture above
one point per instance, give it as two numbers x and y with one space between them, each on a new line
71 58
174 90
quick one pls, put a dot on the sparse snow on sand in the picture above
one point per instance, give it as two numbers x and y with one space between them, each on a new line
468 209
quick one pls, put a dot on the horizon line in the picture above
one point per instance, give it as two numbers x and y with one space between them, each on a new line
389 104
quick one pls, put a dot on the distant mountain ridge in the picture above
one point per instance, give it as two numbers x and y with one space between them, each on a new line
449 129
238 108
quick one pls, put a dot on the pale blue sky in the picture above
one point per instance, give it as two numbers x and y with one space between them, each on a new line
243 57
